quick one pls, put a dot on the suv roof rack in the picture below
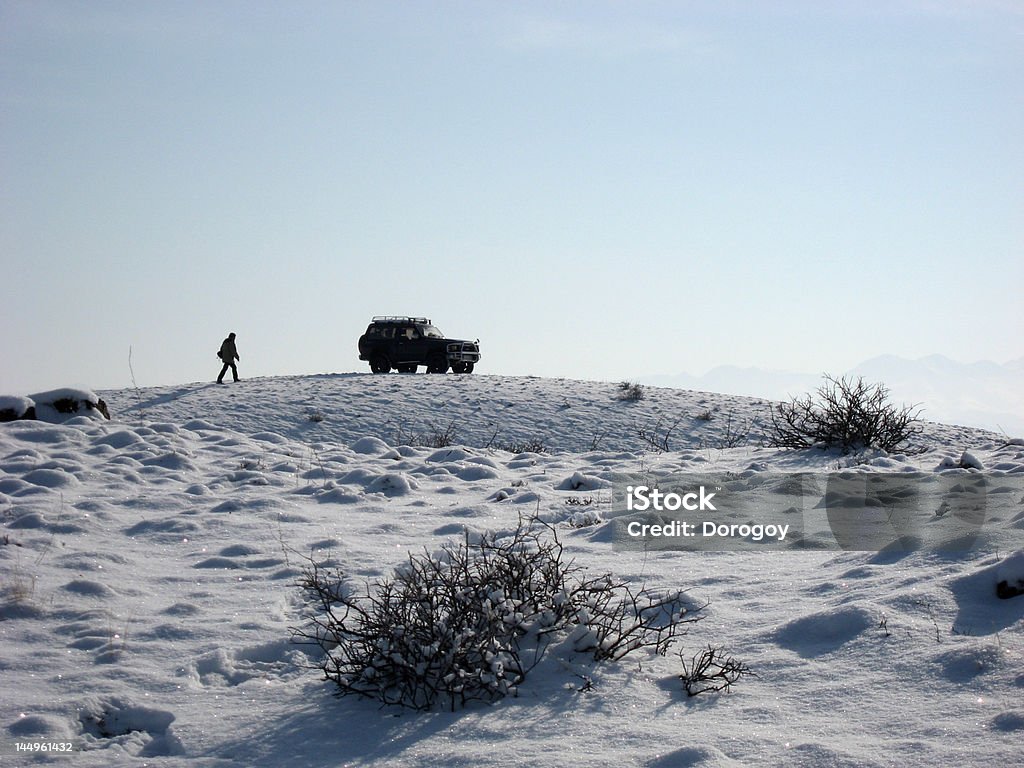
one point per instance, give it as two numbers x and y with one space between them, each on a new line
400 319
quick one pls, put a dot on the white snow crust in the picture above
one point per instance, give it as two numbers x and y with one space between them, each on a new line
148 570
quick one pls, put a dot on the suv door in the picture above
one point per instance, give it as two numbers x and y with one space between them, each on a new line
410 346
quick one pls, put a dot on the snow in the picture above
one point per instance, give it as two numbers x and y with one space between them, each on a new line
148 570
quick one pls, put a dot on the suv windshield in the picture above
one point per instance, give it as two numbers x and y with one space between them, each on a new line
430 332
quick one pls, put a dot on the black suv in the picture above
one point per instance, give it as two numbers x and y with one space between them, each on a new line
406 342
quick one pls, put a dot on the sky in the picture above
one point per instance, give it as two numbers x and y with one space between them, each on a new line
597 190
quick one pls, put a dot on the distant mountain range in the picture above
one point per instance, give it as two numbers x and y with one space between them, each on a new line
983 394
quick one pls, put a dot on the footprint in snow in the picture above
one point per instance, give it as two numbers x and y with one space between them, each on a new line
276 660
142 731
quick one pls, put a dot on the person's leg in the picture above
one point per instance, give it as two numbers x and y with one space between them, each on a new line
220 379
234 372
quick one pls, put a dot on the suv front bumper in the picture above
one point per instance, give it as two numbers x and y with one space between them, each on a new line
463 352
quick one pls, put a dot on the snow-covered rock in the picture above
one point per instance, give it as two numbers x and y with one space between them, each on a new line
13 408
1010 576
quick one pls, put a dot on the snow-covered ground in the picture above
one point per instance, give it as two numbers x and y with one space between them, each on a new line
148 569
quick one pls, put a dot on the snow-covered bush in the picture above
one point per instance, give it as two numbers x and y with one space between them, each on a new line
469 622
847 414
54 406
631 391
59 405
14 408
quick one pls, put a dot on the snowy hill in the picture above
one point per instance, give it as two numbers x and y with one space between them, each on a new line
149 567
560 414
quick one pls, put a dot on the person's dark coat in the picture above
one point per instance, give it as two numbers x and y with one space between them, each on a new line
228 353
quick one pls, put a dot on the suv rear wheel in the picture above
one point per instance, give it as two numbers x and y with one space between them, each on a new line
380 364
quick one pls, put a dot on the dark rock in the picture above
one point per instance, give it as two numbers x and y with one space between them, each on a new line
100 406
1005 590
66 405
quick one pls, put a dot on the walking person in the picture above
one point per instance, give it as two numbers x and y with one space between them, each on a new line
228 353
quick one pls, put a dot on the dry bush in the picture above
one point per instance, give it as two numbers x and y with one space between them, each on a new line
846 414
658 437
468 623
530 445
515 445
711 670
631 391
432 437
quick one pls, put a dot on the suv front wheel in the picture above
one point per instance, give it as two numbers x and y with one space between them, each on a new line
380 364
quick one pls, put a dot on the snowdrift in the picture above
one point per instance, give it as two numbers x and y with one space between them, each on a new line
148 569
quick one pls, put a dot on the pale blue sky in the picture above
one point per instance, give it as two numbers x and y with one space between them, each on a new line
595 190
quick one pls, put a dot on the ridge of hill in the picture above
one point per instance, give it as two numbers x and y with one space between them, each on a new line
562 415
